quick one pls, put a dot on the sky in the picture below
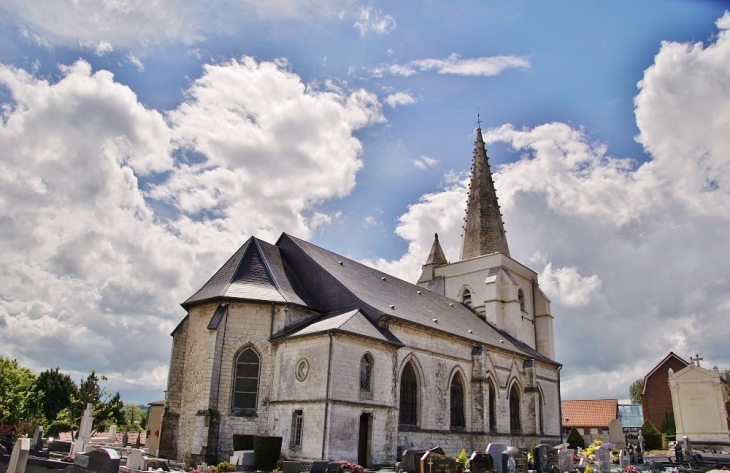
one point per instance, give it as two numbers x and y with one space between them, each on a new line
142 143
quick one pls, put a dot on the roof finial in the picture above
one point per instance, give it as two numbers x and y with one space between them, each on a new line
479 121
436 236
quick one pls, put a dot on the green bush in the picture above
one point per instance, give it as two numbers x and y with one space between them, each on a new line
652 436
575 439
669 427
266 452
242 442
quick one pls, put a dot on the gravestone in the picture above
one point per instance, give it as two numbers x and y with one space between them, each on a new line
432 462
616 433
624 459
37 438
545 457
481 463
125 439
136 460
112 435
291 466
318 467
603 460
411 459
565 460
521 462
687 443
496 450
102 460
334 467
84 433
19 456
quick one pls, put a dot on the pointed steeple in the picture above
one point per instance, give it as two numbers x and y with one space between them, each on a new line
483 226
435 258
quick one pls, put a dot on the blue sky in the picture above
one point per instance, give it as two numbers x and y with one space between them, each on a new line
143 143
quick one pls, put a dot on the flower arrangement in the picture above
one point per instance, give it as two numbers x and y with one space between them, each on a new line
350 466
630 469
67 459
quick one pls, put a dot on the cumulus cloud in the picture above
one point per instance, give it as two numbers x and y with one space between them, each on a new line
400 98
110 210
455 65
370 19
631 254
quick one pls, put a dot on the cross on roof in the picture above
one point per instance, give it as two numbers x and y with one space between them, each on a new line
479 121
696 359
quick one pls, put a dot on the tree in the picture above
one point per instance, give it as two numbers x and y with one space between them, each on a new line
106 409
55 391
18 401
134 416
575 439
635 391
725 376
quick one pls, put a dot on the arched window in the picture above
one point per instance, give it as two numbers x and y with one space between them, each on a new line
366 372
492 408
540 418
514 410
408 414
457 402
521 298
466 298
246 381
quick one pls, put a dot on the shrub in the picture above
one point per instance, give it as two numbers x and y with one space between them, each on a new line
462 459
652 437
242 442
575 439
225 467
266 452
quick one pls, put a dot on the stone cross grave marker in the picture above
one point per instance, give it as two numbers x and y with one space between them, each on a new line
481 463
125 439
102 460
603 460
37 438
432 462
565 460
495 450
84 433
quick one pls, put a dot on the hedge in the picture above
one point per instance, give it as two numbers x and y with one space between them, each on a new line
242 442
266 452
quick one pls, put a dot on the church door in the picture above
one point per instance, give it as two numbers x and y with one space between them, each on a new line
363 444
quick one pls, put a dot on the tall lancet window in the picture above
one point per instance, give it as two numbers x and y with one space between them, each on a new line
457 402
521 298
466 298
492 407
514 410
408 414
246 383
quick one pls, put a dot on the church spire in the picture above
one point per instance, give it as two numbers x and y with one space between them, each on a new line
483 227
435 258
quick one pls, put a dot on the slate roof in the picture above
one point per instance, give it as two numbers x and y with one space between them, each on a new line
589 413
298 272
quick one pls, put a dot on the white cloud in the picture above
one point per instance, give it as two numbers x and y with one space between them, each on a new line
424 162
370 19
626 251
400 98
90 262
135 61
455 65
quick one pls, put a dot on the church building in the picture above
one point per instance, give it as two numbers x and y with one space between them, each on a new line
345 362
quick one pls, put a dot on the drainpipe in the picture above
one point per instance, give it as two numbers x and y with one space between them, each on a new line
327 396
218 394
560 405
534 314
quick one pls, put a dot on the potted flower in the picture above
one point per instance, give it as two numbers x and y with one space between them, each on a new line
462 461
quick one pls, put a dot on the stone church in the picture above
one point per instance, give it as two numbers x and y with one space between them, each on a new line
345 362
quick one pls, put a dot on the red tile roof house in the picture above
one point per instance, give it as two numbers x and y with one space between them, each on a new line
590 417
656 399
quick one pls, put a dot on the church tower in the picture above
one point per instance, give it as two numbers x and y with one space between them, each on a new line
498 289
483 227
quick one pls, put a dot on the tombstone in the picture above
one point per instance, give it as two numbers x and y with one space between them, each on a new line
616 433
102 460
521 462
112 435
545 457
318 467
565 460
481 463
411 459
678 455
157 463
125 439
291 466
432 462
138 442
84 433
136 460
334 467
603 459
687 444
19 457
37 438
495 450
624 459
